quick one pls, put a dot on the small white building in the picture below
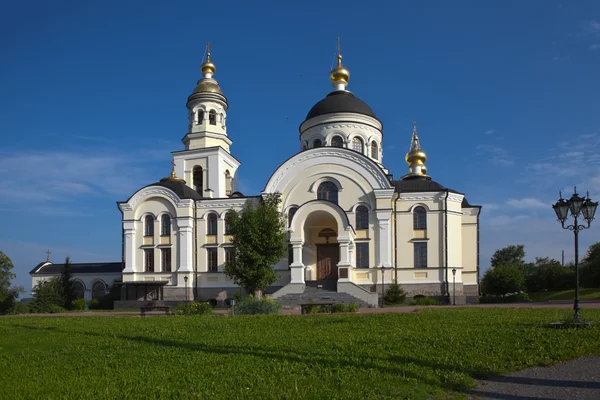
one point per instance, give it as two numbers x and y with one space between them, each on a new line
352 225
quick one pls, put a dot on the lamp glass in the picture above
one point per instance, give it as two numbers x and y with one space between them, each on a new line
575 204
561 208
589 210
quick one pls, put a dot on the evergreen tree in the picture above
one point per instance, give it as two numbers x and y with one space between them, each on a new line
259 242
47 296
67 286
8 294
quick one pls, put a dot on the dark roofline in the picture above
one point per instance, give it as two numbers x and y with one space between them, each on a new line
109 268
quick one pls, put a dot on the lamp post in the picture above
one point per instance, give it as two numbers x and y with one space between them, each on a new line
382 287
453 286
575 205
185 279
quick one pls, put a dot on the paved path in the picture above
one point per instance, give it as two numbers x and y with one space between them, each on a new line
577 379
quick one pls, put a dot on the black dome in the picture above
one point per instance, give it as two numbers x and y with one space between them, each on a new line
340 101
179 187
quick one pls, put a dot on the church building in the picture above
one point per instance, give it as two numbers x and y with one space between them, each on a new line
352 226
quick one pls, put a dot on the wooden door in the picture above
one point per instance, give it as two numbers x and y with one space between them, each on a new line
328 255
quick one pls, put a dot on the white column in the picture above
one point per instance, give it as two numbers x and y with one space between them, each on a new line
384 238
185 244
129 227
297 267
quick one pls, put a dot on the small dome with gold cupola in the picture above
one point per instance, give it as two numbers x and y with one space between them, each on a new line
415 158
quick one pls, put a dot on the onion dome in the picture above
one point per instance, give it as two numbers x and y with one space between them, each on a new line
339 76
207 87
173 177
415 158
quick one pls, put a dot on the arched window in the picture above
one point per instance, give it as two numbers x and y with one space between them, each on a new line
419 218
149 225
374 152
227 230
211 221
291 215
98 290
212 117
198 179
79 290
328 191
357 144
317 143
200 117
337 141
362 217
165 225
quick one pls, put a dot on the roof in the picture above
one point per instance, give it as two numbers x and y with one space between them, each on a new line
182 190
419 185
340 101
49 268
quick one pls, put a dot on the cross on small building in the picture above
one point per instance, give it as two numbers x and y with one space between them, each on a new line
48 252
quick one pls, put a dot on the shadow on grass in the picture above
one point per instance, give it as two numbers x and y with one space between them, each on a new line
308 358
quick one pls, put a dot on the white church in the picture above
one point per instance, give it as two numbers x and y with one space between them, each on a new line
352 226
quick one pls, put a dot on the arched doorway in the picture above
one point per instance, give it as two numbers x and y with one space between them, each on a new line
322 251
328 255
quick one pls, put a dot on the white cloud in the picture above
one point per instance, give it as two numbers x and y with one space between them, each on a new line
592 26
527 203
595 47
496 154
489 132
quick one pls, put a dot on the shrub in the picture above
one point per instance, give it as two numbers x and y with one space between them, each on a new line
502 279
394 295
53 309
195 308
263 306
352 307
425 301
78 304
513 298
18 308
339 308
94 304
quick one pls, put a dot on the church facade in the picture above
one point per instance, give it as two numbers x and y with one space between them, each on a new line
351 225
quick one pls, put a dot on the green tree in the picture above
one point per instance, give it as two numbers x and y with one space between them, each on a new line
549 274
394 294
67 285
47 296
510 255
502 279
8 293
590 267
259 242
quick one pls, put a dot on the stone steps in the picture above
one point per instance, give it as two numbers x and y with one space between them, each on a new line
318 296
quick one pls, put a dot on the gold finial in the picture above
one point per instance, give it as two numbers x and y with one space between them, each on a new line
208 68
415 158
173 176
339 76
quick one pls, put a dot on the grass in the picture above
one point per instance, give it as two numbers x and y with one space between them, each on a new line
426 354
565 295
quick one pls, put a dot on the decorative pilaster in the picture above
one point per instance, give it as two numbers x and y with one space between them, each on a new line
297 267
384 239
344 265
185 245
130 247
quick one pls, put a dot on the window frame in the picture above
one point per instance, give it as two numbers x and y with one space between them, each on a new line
291 212
362 255
212 228
149 226
361 217
358 140
200 117
374 150
420 254
317 143
212 257
198 177
149 260
94 290
228 254
165 222
166 259
341 141
212 117
419 218
327 194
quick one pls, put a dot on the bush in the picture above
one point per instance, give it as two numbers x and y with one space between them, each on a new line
339 307
394 295
352 307
18 308
195 308
425 301
53 309
264 306
78 305
94 304
513 298
502 279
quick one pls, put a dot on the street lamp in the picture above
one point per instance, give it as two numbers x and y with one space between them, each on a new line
185 279
382 287
575 205
454 286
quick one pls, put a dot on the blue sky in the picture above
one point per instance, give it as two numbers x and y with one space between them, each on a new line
506 95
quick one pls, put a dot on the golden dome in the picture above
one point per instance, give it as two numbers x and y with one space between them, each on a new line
207 86
339 73
416 155
208 67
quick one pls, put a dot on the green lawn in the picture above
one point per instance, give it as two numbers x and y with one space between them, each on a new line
565 295
418 355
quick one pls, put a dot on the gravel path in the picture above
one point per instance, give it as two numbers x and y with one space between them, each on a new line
577 379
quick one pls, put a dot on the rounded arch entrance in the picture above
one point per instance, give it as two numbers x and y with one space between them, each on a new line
320 234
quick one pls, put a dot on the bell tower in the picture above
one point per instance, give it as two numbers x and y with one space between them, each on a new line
206 163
